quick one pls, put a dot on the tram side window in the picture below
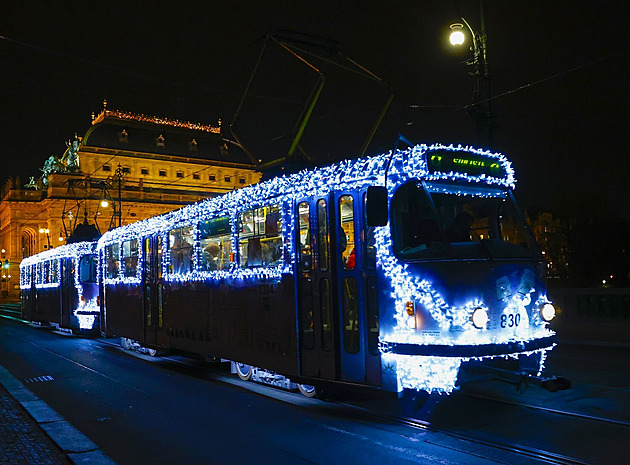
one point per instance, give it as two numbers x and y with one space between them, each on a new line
111 258
350 308
323 239
215 238
46 276
130 257
369 241
180 241
346 233
39 277
54 271
305 236
415 230
260 236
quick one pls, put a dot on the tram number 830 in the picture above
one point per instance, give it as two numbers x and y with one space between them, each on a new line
510 320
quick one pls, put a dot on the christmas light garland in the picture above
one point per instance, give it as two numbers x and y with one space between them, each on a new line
417 372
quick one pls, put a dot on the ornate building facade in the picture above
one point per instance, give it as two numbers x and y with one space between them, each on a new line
125 168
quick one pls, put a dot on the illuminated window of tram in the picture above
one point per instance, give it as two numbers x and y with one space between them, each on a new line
346 233
46 273
369 241
180 241
54 271
323 239
111 259
215 237
260 236
87 269
305 236
130 257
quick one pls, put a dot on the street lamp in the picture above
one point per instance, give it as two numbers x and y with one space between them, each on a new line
47 232
481 109
457 36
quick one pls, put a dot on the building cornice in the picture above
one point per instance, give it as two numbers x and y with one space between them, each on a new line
140 118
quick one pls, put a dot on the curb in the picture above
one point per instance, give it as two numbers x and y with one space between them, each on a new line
78 448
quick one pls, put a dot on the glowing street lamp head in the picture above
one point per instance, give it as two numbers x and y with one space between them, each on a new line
104 203
457 36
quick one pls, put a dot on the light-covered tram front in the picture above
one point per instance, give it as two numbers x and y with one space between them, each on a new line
465 275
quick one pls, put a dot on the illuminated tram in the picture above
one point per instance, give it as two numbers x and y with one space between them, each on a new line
397 271
59 287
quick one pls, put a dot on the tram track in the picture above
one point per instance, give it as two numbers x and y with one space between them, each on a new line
549 410
367 413
417 424
297 399
533 453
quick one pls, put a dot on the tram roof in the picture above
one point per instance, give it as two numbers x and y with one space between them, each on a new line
399 166
74 250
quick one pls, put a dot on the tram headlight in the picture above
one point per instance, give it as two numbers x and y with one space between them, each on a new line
547 312
479 318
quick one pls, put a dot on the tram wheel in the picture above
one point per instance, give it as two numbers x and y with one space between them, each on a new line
243 371
125 343
307 390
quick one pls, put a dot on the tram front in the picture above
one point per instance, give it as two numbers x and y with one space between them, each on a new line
466 277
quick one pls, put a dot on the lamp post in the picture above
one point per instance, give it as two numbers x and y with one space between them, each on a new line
118 175
481 108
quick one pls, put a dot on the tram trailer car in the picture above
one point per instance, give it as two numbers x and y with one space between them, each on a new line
398 271
59 287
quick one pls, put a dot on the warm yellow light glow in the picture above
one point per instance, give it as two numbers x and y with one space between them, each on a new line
104 203
457 36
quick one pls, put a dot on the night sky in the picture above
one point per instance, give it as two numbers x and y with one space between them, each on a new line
559 75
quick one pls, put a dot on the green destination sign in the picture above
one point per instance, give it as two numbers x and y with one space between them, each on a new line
447 161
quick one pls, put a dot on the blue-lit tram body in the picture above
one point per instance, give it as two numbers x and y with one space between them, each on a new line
288 275
59 286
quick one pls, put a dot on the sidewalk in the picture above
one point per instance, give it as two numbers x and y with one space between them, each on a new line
31 433
22 441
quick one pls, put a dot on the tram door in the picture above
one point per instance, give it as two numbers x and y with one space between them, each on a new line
67 291
356 290
152 305
317 334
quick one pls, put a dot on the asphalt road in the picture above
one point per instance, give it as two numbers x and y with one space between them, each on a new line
143 410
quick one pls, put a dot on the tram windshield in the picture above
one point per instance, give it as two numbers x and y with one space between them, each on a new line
444 222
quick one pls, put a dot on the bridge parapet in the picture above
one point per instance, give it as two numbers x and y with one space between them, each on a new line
592 315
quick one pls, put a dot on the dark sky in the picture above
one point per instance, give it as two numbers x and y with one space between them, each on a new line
559 75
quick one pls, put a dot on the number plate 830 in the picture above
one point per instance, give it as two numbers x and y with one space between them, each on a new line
510 320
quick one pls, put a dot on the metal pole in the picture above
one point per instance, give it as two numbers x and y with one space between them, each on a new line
486 74
119 175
